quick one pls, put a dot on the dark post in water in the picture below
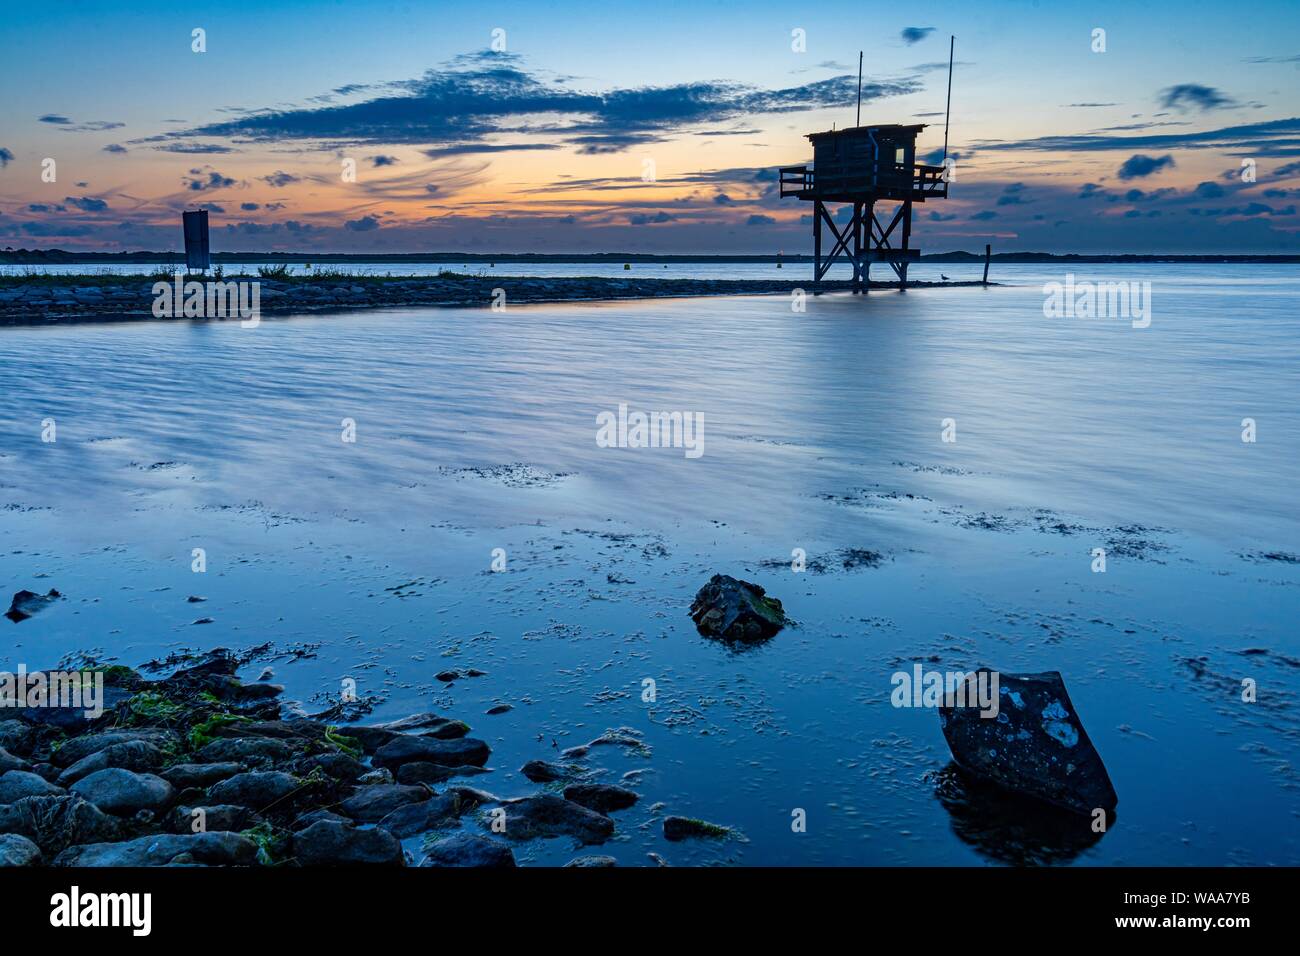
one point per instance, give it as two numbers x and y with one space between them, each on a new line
196 240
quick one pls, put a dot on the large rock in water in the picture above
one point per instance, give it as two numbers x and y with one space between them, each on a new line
736 610
1036 744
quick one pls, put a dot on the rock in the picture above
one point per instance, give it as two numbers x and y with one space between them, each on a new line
16 850
499 709
431 814
73 718
735 610
307 819
469 849
425 725
53 823
79 748
421 771
449 753
336 765
124 792
18 737
601 797
252 751
1035 745
223 816
371 804
258 789
27 603
547 815
162 849
9 762
370 779
183 776
138 755
681 828
330 843
16 784
592 861
445 676
541 771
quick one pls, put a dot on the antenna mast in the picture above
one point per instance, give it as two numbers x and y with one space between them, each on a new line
858 122
952 44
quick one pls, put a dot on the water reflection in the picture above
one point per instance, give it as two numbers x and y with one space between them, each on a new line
1006 828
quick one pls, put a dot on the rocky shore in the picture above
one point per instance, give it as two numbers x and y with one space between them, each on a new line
203 769
32 299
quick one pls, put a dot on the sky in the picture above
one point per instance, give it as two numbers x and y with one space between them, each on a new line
372 127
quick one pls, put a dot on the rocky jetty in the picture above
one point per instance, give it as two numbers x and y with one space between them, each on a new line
204 769
28 299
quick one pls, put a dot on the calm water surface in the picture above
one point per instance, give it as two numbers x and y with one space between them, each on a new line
476 430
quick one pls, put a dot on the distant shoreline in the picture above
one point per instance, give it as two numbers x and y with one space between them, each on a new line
37 257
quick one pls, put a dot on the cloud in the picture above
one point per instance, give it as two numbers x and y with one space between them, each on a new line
1282 172
462 149
913 35
114 148
984 216
86 203
1138 166
249 206
1187 96
1081 106
364 224
382 160
213 180
68 126
760 220
645 219
1208 190
462 107
6 157
279 179
198 149
1274 138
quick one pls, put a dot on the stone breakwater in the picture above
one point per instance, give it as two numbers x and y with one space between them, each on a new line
201 768
36 299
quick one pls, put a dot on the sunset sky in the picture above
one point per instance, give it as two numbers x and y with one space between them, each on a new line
544 146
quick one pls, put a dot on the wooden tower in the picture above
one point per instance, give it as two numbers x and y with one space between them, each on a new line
859 167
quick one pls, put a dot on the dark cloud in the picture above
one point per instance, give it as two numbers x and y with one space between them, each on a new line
1274 138
197 149
279 179
477 97
213 180
911 35
68 126
54 119
465 149
86 203
382 160
1208 190
1138 166
249 206
6 157
646 219
760 220
1187 96
114 148
364 224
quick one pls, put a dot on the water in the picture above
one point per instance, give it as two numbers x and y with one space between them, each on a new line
822 432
